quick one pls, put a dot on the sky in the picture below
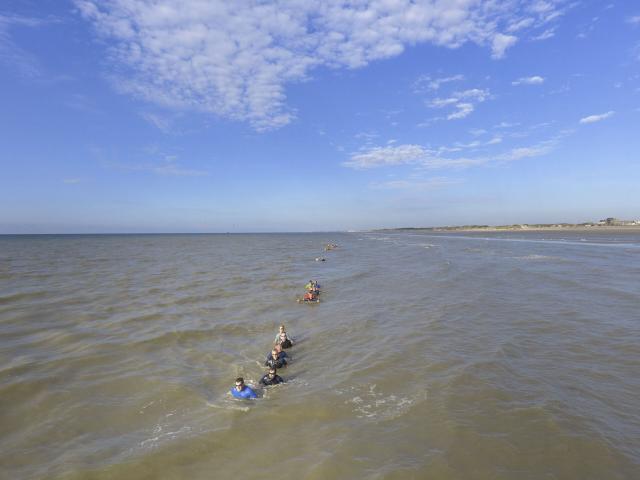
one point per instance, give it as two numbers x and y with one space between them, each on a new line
256 116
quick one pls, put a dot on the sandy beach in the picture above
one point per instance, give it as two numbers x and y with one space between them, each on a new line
577 228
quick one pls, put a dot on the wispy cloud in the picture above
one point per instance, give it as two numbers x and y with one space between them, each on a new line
463 102
635 20
596 118
534 80
161 122
234 59
12 55
548 33
428 83
72 181
388 156
500 43
167 165
173 169
420 159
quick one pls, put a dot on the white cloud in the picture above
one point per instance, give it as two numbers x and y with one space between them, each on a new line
501 43
463 110
506 125
524 23
422 157
635 20
548 33
464 102
534 80
387 156
234 59
524 152
426 82
596 118
71 181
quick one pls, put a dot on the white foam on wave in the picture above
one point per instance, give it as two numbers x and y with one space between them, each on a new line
374 404
536 257
581 242
228 407
160 436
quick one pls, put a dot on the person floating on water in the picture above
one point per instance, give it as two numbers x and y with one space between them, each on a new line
311 296
312 286
271 378
242 391
282 338
275 360
281 353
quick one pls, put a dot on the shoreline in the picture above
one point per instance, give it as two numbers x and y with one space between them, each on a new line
576 228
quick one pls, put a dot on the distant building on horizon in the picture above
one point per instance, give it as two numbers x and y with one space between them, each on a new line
614 222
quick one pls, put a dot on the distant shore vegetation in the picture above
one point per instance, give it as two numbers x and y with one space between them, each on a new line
607 222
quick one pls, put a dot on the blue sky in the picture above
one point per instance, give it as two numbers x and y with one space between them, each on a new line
213 116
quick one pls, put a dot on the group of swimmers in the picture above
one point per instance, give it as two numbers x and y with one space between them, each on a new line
312 292
278 357
275 360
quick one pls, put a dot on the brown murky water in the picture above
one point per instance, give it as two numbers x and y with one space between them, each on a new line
504 356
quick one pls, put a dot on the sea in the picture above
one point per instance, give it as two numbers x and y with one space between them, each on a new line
512 355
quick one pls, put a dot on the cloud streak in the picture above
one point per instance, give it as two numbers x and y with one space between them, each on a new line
420 157
21 61
596 118
234 59
167 167
534 80
428 83
463 102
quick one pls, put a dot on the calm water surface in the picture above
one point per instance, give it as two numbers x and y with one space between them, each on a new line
486 356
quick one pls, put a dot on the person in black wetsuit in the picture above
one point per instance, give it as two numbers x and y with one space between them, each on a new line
281 352
271 378
275 360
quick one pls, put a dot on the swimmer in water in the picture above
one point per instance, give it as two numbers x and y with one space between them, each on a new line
310 296
275 360
242 391
281 353
281 329
271 378
283 340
